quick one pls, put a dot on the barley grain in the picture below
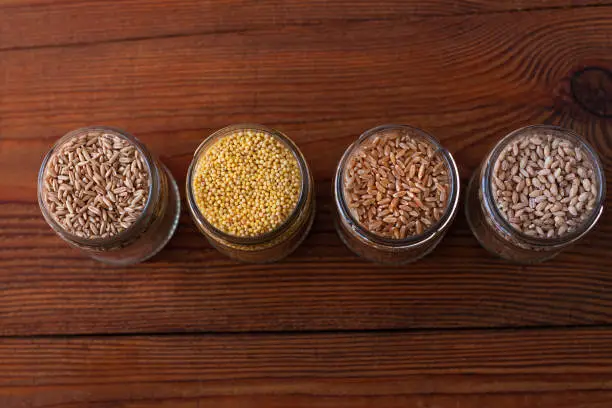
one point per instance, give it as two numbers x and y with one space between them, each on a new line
549 183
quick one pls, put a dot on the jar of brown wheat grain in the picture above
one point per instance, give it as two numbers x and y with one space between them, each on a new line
102 191
540 189
396 190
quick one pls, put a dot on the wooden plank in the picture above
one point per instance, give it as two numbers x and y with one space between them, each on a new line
597 399
533 368
468 80
35 23
464 79
191 287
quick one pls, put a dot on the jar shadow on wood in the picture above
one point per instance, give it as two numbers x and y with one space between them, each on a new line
149 232
496 234
389 250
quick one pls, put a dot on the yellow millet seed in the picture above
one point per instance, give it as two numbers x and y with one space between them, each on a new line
247 183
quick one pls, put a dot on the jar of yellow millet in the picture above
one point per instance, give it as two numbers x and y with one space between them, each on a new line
251 193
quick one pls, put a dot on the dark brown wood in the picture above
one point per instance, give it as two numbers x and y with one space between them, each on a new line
559 368
190 287
468 80
323 328
78 22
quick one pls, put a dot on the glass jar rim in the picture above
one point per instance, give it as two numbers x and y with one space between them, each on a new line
281 228
138 225
487 190
427 234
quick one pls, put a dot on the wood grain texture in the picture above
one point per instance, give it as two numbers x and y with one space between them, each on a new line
74 22
190 287
323 328
564 368
466 79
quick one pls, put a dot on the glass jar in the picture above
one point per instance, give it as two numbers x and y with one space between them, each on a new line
386 250
495 233
282 240
151 230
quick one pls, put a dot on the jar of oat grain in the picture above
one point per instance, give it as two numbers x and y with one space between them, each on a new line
539 190
101 190
396 190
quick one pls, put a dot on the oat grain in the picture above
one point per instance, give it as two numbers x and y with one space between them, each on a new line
80 178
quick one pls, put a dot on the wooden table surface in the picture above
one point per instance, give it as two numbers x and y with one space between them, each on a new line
190 328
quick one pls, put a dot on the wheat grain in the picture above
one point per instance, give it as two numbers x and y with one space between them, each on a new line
396 184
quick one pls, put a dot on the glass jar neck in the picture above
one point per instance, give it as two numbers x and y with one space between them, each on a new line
502 226
296 217
157 181
374 239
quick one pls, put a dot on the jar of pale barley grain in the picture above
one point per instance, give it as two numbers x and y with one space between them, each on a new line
539 190
103 192
251 193
396 190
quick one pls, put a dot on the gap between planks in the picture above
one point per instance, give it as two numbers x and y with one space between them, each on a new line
324 332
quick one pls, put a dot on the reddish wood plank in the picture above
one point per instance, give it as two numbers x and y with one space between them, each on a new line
463 78
541 400
36 23
535 368
468 80
573 399
322 286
